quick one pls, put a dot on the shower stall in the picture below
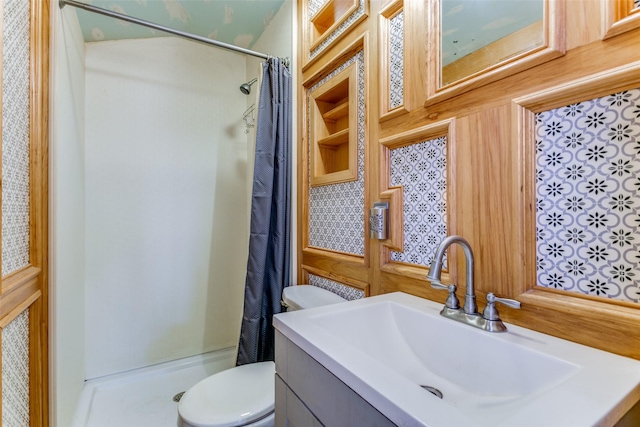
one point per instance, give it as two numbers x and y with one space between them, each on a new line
150 190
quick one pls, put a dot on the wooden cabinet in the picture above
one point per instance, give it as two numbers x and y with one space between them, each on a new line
328 18
333 129
490 158
307 394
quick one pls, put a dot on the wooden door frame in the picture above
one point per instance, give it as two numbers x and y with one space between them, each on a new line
27 288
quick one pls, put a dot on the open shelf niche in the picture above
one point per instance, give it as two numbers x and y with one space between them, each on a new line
329 17
333 125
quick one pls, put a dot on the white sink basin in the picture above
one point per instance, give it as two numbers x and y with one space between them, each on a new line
387 347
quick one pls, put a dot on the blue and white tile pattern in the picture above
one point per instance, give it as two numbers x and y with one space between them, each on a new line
346 292
396 60
336 211
15 372
15 135
588 197
421 170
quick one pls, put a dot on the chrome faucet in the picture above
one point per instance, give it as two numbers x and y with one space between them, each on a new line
489 320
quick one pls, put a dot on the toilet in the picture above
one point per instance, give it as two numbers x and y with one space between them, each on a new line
245 395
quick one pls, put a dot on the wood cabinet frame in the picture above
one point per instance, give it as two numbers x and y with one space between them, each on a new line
619 16
334 152
394 195
603 323
313 259
553 46
27 288
314 33
328 18
384 76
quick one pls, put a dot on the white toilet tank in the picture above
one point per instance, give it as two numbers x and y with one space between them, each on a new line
307 296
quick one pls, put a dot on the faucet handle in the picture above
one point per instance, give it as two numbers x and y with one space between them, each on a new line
452 301
490 312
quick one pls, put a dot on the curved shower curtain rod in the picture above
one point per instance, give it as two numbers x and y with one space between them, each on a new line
101 11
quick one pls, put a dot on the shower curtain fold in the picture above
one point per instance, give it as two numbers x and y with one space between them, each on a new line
268 265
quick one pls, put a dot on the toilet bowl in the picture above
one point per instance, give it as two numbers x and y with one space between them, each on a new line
245 395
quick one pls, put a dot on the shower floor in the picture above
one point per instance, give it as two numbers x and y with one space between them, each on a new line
144 397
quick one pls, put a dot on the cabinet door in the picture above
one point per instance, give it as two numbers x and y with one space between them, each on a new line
290 411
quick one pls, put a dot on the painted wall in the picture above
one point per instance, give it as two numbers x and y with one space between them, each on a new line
67 216
166 203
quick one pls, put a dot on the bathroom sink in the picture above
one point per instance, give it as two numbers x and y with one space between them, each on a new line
419 368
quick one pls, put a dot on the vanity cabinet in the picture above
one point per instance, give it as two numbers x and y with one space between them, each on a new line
307 394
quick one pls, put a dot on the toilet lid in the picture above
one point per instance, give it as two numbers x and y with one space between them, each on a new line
233 397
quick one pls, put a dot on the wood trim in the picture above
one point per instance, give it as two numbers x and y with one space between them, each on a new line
17 288
384 74
594 86
348 12
307 34
341 264
602 324
494 53
597 322
19 309
413 136
38 361
39 210
554 46
411 279
444 128
341 256
353 266
619 17
333 63
392 114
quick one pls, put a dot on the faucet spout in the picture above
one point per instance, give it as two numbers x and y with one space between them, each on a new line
435 271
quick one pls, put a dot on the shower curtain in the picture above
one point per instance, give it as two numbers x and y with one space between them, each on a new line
269 241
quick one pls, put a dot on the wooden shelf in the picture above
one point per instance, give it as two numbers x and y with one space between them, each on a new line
329 13
338 112
333 126
328 18
335 139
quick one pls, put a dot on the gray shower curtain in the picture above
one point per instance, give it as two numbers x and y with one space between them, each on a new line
269 242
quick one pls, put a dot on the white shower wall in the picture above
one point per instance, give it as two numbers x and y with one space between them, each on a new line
166 201
66 224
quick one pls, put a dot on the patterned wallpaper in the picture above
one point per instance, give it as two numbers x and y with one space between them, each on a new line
15 372
396 60
15 136
237 22
588 197
346 292
421 170
336 211
15 203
